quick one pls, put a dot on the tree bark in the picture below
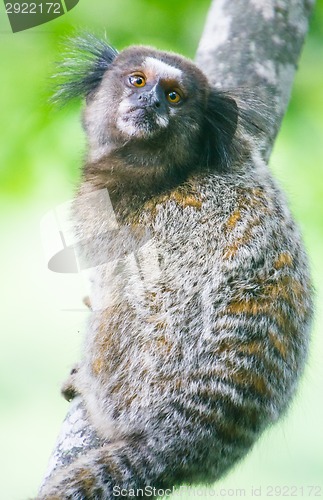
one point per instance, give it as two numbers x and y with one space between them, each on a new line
255 45
248 44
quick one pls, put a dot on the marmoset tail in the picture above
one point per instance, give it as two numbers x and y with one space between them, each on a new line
201 295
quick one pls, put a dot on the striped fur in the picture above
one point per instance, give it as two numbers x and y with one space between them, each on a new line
186 366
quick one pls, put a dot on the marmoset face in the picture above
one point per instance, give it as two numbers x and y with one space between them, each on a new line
146 93
154 93
154 108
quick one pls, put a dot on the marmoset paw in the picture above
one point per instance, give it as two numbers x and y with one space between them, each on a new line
68 389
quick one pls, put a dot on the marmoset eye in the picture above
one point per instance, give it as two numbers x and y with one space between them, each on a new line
173 97
137 80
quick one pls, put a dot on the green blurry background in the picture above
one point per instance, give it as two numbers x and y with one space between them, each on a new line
40 154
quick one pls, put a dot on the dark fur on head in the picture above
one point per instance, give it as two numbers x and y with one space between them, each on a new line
82 70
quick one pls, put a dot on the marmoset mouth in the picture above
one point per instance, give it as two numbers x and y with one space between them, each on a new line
147 116
140 111
143 119
146 110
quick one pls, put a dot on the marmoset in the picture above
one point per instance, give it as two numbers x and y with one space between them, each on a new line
201 295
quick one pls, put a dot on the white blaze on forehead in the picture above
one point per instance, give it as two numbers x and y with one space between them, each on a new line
162 69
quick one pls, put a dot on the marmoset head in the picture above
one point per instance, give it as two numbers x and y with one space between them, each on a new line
152 101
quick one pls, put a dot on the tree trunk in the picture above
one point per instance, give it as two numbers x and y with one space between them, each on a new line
246 44
256 44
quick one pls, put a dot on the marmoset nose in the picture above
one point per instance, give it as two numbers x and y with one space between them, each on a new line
150 99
